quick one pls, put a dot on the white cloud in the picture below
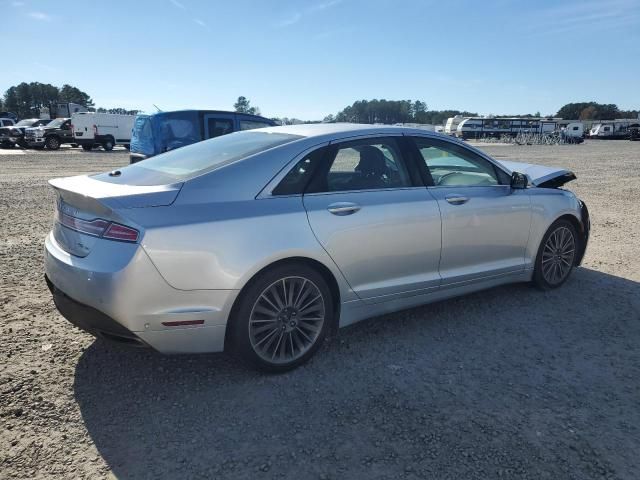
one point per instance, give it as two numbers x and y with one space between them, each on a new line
293 19
178 4
586 17
297 16
200 22
43 17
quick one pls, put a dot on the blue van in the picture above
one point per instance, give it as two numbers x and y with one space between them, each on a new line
164 131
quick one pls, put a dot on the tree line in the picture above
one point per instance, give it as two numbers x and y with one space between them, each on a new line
393 111
27 100
594 111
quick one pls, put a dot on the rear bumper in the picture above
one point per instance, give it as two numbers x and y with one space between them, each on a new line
116 292
89 319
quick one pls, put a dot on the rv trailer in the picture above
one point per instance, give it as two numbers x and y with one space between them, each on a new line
612 129
481 127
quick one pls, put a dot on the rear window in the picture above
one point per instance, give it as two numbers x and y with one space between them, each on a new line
201 157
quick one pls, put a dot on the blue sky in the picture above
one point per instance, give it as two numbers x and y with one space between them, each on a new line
309 59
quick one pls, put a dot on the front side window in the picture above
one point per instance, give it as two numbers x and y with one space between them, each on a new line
251 124
451 165
363 165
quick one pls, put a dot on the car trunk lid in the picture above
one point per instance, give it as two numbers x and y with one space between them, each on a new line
89 210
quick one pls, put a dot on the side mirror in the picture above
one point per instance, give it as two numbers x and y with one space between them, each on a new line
519 180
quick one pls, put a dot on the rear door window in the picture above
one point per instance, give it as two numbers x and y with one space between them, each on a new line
370 164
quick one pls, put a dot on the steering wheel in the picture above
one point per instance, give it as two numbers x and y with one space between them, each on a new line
445 176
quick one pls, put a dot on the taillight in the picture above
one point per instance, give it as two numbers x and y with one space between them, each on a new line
98 228
120 232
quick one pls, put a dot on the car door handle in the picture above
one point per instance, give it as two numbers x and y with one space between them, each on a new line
343 208
455 199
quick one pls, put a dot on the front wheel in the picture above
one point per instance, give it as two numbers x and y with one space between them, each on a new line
282 318
556 255
52 143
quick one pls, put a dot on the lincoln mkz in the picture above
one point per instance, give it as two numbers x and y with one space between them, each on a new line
263 242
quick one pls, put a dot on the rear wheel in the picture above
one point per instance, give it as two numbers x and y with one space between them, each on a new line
556 255
52 143
108 144
282 318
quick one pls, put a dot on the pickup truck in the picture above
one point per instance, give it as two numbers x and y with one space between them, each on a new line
10 136
51 136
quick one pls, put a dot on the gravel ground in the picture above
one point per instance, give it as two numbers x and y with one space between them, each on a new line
511 382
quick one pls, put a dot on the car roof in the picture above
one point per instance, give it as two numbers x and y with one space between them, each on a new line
345 130
225 112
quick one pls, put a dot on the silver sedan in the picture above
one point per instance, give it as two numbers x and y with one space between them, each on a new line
263 242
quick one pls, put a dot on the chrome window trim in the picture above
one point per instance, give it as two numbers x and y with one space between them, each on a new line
339 192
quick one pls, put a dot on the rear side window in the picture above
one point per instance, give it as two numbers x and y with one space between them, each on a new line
251 124
370 164
295 182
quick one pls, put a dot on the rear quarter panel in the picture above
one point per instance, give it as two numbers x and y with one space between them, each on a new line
223 245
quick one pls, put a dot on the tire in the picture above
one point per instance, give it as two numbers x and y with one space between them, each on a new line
108 144
127 146
267 330
52 143
556 255
87 148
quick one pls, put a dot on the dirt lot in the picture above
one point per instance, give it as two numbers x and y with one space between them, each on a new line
511 383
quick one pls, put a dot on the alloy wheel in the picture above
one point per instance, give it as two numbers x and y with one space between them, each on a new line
558 255
286 320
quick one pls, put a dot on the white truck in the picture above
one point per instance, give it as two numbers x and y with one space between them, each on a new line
106 129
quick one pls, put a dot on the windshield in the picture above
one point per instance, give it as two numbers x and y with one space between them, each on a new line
201 157
25 123
56 123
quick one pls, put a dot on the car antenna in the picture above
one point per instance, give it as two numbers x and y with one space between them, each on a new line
157 108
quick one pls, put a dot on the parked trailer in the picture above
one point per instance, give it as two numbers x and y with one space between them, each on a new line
451 126
611 130
480 127
105 129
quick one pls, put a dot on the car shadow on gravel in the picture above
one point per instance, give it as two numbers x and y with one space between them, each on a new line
511 381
